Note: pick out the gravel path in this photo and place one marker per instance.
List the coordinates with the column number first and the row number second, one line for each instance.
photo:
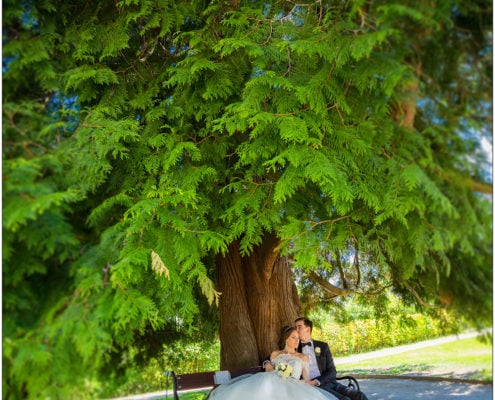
column 412, row 389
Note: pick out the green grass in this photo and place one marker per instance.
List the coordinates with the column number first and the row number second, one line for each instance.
column 201, row 395
column 465, row 359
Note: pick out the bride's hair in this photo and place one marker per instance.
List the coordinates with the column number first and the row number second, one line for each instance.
column 286, row 332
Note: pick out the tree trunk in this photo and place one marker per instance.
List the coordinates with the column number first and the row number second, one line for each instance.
column 258, row 298
column 237, row 339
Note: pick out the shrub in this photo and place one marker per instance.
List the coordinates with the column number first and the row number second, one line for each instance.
column 399, row 327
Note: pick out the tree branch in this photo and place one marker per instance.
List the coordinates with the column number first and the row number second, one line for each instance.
column 417, row 296
column 477, row 186
column 341, row 270
column 328, row 287
column 356, row 265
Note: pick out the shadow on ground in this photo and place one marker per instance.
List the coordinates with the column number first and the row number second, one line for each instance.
column 412, row 389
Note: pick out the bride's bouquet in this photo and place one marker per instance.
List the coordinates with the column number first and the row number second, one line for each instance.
column 284, row 370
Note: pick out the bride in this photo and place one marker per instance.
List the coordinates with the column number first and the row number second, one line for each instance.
column 283, row 383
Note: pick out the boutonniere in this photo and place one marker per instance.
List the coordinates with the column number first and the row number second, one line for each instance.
column 317, row 351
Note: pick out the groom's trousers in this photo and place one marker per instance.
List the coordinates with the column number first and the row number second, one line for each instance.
column 343, row 392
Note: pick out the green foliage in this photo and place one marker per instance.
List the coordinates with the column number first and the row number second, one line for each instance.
column 198, row 124
column 361, row 336
column 182, row 357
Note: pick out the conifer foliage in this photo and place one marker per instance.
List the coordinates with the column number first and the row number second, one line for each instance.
column 142, row 138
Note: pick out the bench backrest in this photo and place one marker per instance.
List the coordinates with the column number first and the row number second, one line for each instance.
column 195, row 381
column 200, row 380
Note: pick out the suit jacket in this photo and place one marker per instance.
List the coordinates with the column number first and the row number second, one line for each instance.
column 325, row 362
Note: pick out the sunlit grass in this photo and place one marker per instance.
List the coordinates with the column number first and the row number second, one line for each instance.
column 467, row 359
column 194, row 395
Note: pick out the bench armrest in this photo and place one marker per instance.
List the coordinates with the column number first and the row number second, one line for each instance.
column 351, row 381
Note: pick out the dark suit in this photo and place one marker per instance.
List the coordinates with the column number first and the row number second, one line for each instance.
column 328, row 373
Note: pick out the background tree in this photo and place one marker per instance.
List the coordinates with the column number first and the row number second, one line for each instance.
column 159, row 153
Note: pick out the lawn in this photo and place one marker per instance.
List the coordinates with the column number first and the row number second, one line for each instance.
column 466, row 359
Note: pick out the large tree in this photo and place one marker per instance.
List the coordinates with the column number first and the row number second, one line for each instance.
column 156, row 149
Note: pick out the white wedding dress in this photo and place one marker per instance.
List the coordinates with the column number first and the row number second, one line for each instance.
column 271, row 385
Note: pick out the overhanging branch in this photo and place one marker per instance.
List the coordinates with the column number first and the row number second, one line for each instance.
column 328, row 287
column 417, row 296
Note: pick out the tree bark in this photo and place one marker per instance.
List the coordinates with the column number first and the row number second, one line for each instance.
column 258, row 298
column 237, row 340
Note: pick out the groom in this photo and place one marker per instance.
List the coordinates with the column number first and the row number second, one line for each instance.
column 322, row 369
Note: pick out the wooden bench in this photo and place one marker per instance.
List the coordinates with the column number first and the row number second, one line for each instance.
column 211, row 379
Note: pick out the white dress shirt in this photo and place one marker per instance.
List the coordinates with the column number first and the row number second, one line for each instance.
column 313, row 364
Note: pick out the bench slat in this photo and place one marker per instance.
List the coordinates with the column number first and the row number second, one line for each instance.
column 207, row 379
column 194, row 381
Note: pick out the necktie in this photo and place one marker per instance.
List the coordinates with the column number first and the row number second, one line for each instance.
column 305, row 344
